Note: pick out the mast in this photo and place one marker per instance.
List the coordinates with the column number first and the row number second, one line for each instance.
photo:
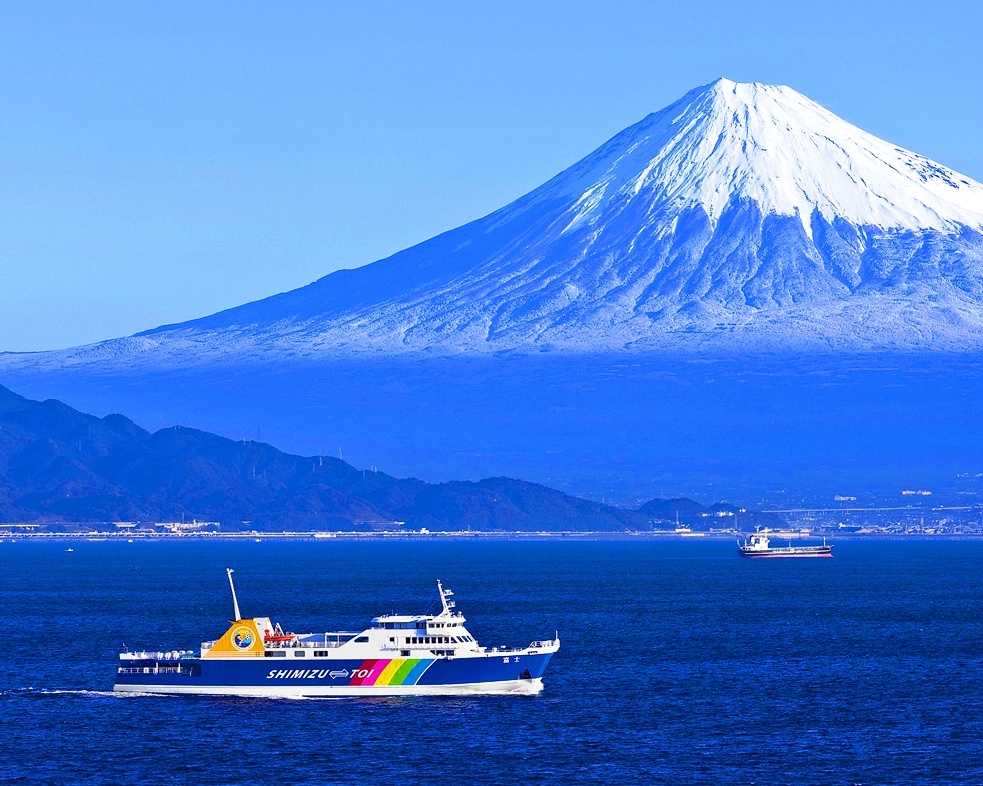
column 235, row 603
column 445, row 595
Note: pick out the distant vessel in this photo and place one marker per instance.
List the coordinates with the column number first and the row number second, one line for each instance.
column 398, row 655
column 758, row 545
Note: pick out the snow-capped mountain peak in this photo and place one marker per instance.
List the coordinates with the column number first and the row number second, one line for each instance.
column 772, row 145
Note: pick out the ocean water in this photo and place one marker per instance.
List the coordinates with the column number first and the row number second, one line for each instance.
column 680, row 663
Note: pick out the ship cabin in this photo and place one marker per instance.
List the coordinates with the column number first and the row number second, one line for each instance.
column 757, row 541
column 423, row 634
column 391, row 635
column 415, row 635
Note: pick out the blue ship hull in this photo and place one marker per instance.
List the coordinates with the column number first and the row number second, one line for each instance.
column 492, row 672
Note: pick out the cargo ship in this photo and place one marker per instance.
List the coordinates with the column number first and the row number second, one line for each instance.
column 759, row 545
column 398, row 655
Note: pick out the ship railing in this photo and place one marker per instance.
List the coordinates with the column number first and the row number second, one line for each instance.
column 330, row 640
column 156, row 655
column 316, row 641
column 152, row 670
column 535, row 645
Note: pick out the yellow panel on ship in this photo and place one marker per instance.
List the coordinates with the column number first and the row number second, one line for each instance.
column 242, row 640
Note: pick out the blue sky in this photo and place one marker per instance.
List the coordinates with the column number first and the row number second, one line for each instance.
column 164, row 161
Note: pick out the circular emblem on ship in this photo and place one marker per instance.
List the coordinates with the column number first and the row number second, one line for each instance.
column 242, row 638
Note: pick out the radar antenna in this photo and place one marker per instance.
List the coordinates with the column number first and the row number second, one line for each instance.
column 235, row 603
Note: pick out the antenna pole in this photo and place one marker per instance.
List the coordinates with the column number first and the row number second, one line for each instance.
column 235, row 603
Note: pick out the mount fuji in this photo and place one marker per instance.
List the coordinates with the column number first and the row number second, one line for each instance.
column 741, row 216
column 736, row 281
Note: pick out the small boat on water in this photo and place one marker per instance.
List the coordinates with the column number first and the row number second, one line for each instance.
column 759, row 545
column 398, row 655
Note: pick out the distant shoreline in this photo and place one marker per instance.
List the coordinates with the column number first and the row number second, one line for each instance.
column 100, row 537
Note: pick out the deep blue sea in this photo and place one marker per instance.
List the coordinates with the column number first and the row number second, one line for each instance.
column 680, row 663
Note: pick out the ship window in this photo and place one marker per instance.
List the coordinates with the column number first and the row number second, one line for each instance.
column 320, row 653
column 299, row 654
column 275, row 654
column 361, row 639
column 404, row 653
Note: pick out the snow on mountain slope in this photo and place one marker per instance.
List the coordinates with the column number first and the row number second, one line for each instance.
column 741, row 216
column 773, row 146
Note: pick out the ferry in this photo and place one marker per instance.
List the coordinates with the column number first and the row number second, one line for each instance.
column 759, row 545
column 398, row 655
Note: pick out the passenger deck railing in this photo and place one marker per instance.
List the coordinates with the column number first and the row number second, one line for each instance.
column 168, row 669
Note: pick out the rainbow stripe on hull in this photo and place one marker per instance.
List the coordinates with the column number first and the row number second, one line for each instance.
column 386, row 673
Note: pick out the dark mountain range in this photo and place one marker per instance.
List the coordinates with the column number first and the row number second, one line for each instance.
column 58, row 464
